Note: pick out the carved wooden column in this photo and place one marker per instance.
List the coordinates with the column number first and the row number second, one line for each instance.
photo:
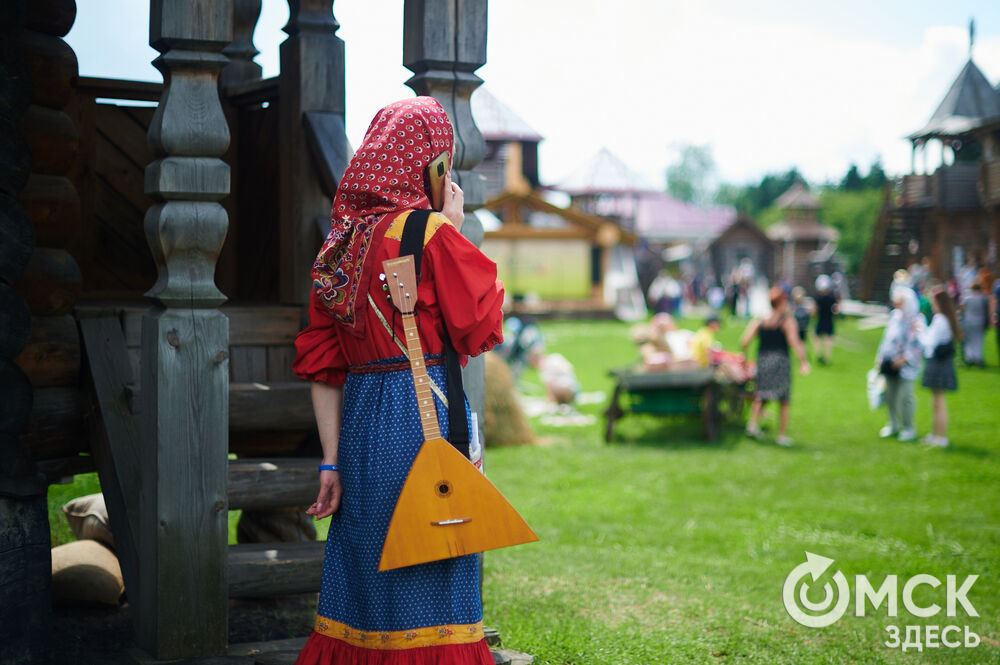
column 311, row 94
column 241, row 51
column 444, row 43
column 183, row 596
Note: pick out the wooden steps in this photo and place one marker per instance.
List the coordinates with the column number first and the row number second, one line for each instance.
column 271, row 406
column 261, row 417
column 273, row 569
column 255, row 570
column 259, row 570
column 258, row 484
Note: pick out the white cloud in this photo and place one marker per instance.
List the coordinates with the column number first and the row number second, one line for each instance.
column 766, row 95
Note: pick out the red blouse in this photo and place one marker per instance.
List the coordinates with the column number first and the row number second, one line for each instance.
column 458, row 288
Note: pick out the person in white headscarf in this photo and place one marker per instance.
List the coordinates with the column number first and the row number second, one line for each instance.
column 899, row 359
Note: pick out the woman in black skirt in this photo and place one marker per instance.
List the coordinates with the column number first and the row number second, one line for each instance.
column 777, row 334
column 938, row 340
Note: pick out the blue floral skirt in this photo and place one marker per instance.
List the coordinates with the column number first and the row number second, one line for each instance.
column 427, row 613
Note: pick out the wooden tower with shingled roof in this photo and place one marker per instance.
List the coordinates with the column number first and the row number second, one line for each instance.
column 799, row 236
column 948, row 214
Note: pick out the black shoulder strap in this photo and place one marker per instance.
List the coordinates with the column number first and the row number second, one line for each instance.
column 412, row 243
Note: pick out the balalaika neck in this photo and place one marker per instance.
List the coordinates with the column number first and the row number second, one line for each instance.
column 421, row 382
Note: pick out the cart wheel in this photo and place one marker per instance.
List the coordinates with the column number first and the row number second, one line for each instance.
column 740, row 400
column 710, row 415
column 612, row 413
column 733, row 399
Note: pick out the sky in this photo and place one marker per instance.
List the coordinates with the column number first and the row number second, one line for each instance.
column 767, row 84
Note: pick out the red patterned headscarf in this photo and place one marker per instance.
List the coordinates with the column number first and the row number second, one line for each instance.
column 385, row 175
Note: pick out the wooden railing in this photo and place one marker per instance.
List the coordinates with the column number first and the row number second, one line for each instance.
column 915, row 190
column 954, row 187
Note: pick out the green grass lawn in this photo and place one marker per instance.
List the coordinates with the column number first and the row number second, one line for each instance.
column 660, row 548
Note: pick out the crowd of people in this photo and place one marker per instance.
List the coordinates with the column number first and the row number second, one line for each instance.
column 780, row 322
column 929, row 323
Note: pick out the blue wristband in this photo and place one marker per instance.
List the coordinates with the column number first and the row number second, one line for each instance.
column 329, row 467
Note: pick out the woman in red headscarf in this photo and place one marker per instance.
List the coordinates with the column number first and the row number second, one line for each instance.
column 363, row 397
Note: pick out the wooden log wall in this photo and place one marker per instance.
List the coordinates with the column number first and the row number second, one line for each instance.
column 52, row 282
column 36, row 200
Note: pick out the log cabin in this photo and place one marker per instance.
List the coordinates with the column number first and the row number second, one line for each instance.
column 800, row 236
column 744, row 239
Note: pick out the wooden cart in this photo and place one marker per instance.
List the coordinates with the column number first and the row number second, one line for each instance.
column 699, row 392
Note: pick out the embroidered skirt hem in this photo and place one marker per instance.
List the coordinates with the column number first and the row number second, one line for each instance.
column 324, row 650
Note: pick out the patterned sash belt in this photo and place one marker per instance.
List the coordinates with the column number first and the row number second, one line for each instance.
column 378, row 367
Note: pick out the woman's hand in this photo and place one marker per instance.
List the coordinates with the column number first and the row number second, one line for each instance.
column 804, row 367
column 898, row 362
column 328, row 499
column 454, row 202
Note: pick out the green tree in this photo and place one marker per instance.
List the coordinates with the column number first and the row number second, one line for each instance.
column 852, row 181
column 853, row 214
column 773, row 186
column 753, row 199
column 692, row 176
column 876, row 177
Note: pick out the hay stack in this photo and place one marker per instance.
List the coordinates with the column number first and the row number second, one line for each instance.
column 504, row 422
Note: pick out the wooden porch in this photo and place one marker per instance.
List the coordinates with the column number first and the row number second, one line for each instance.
column 155, row 271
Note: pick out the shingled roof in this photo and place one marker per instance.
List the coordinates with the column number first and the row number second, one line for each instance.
column 497, row 122
column 605, row 173
column 802, row 222
column 970, row 101
column 798, row 197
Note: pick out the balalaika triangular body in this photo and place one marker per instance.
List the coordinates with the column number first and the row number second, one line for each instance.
column 447, row 508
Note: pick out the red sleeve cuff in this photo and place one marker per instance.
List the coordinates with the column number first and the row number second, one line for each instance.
column 330, row 376
column 318, row 354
